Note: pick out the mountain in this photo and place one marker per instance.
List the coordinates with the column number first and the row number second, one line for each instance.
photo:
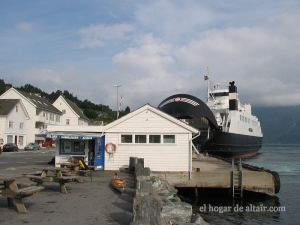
column 95, row 112
column 280, row 125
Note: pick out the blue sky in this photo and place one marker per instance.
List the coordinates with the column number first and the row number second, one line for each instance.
column 153, row 48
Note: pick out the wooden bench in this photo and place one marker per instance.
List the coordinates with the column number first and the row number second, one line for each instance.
column 47, row 175
column 15, row 195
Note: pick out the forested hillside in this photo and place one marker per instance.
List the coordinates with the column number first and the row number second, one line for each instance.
column 95, row 112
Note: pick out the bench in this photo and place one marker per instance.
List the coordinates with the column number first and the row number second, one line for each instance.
column 15, row 195
column 58, row 176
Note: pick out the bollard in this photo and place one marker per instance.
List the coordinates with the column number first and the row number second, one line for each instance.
column 132, row 163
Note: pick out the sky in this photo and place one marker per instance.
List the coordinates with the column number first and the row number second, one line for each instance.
column 154, row 49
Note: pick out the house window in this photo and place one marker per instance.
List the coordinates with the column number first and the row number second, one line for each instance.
column 10, row 138
column 140, row 138
column 126, row 138
column 10, row 124
column 169, row 139
column 51, row 116
column 17, row 108
column 67, row 121
column 21, row 140
column 57, row 118
column 21, row 125
column 46, row 115
column 64, row 111
column 154, row 138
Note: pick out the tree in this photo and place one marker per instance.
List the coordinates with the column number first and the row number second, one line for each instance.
column 2, row 86
column 127, row 110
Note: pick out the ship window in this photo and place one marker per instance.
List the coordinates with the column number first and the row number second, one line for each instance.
column 221, row 94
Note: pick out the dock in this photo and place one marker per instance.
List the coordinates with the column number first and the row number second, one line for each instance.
column 215, row 173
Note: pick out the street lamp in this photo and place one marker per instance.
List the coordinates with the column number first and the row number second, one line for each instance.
column 117, row 86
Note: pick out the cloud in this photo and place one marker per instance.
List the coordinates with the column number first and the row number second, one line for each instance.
column 148, row 71
column 262, row 59
column 97, row 36
column 24, row 26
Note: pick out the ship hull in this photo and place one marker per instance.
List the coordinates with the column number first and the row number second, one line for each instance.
column 231, row 145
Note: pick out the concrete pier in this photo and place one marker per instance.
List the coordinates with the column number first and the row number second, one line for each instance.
column 210, row 172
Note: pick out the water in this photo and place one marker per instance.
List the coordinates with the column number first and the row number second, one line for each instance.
column 285, row 159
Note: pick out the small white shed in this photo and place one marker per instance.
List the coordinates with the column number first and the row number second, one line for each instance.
column 162, row 140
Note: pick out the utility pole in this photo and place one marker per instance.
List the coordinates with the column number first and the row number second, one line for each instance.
column 117, row 86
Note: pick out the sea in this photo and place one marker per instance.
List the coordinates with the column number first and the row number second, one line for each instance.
column 217, row 207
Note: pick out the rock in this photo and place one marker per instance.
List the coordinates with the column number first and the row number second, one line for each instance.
column 163, row 188
column 199, row 220
column 179, row 212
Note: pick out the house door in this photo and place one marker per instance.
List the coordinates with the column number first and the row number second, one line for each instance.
column 16, row 140
column 99, row 152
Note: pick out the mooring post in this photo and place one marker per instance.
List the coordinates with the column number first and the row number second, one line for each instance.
column 196, row 194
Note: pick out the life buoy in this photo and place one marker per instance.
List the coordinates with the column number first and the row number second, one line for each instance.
column 110, row 148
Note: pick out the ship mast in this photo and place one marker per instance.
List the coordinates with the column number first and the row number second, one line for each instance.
column 206, row 77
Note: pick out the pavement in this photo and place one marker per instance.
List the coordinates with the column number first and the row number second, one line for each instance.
column 88, row 203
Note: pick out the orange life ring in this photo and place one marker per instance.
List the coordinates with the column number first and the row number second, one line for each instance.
column 110, row 148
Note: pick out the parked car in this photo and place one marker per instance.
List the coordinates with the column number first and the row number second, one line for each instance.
column 10, row 147
column 32, row 146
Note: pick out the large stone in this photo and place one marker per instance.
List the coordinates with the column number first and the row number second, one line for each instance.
column 199, row 220
column 163, row 188
column 179, row 212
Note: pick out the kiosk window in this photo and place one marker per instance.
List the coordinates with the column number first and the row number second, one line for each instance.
column 72, row 148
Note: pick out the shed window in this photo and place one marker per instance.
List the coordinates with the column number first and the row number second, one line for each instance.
column 169, row 138
column 126, row 138
column 140, row 139
column 154, row 138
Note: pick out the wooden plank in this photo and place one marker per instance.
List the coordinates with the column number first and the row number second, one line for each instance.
column 20, row 205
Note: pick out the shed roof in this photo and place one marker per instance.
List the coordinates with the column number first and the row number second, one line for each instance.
column 154, row 110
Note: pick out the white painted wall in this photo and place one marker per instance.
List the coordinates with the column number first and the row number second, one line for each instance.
column 16, row 118
column 159, row 157
column 30, row 108
column 70, row 114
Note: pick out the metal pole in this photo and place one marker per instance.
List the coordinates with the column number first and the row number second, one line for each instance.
column 117, row 86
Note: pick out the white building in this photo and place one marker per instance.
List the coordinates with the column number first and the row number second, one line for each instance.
column 164, row 142
column 71, row 113
column 40, row 111
column 13, row 122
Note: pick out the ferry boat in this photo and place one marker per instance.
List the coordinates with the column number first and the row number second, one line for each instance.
column 227, row 127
